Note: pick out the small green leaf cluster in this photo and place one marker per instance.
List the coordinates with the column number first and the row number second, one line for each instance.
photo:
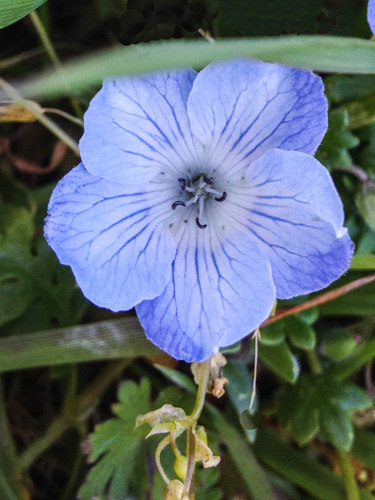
column 36, row 292
column 318, row 403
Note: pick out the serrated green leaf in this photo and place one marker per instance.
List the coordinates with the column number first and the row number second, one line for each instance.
column 116, row 447
column 300, row 333
column 333, row 150
column 280, row 360
column 13, row 10
column 322, row 402
column 34, row 287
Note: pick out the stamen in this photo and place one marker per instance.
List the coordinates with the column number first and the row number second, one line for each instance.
column 190, row 189
column 213, row 191
column 178, row 204
column 182, row 182
column 208, row 180
column 201, row 226
column 201, row 205
column 223, row 197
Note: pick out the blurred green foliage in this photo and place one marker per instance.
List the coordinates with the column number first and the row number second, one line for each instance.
column 315, row 392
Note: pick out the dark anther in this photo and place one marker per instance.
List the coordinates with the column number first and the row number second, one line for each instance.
column 178, row 204
column 208, row 180
column 182, row 182
column 201, row 226
column 222, row 198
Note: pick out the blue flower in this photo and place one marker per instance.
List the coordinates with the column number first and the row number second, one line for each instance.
column 371, row 15
column 198, row 201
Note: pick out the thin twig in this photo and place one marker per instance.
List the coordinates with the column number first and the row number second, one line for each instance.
column 44, row 120
column 320, row 299
column 50, row 50
column 354, row 170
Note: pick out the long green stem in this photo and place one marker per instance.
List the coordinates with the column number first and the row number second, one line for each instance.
column 44, row 38
column 48, row 47
column 314, row 362
column 54, row 431
column 72, row 413
column 348, row 476
column 36, row 111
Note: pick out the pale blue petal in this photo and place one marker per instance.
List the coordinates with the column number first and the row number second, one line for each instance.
column 220, row 290
column 371, row 15
column 242, row 108
column 136, row 127
column 291, row 209
column 113, row 236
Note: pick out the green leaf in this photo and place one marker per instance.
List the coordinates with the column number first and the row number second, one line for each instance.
column 365, row 201
column 339, row 343
column 13, row 10
column 116, row 447
column 331, row 54
column 242, row 455
column 273, row 334
column 319, row 402
column 333, row 151
column 295, row 465
column 112, row 339
column 344, row 88
column 362, row 262
column 280, row 360
column 300, row 333
column 336, row 426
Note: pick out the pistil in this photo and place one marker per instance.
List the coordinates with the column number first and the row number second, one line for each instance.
column 199, row 191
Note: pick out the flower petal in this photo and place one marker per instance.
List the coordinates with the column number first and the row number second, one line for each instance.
column 371, row 15
column 243, row 108
column 113, row 236
column 138, row 126
column 220, row 290
column 292, row 210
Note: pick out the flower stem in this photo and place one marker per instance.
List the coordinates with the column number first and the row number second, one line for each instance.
column 37, row 112
column 314, row 362
column 197, row 410
column 320, row 299
column 48, row 47
column 347, row 475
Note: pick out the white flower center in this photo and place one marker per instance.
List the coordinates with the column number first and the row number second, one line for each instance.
column 198, row 191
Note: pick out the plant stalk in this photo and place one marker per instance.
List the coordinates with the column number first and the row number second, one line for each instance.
column 351, row 488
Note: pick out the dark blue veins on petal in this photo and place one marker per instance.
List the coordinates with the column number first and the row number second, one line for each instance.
column 241, row 109
column 136, row 127
column 220, row 290
column 117, row 245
